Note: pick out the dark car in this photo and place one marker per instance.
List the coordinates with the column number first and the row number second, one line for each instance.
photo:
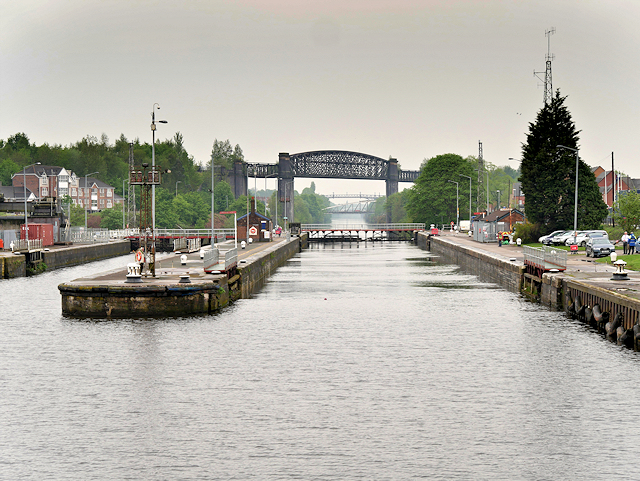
column 599, row 247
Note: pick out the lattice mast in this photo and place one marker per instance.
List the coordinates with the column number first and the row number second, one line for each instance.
column 131, row 197
column 548, row 84
column 480, row 177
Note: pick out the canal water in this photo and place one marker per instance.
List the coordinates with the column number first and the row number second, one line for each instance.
column 354, row 362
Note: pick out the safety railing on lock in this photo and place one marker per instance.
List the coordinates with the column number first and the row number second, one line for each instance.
column 27, row 245
column 545, row 258
column 404, row 227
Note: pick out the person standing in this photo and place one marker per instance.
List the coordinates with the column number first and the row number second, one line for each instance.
column 625, row 242
column 632, row 243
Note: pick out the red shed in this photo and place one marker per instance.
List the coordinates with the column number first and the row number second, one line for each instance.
column 39, row 231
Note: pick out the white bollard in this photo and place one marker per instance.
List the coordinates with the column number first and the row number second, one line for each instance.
column 183, row 259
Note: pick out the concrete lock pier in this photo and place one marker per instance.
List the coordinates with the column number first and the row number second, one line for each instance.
column 584, row 290
column 181, row 286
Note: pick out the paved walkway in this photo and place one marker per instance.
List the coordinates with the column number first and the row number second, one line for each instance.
column 579, row 266
column 169, row 266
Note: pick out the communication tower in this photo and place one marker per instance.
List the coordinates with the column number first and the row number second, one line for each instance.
column 548, row 85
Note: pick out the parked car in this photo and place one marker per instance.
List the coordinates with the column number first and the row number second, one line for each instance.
column 546, row 239
column 580, row 239
column 560, row 239
column 599, row 247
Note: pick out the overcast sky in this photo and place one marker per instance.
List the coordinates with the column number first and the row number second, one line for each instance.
column 408, row 79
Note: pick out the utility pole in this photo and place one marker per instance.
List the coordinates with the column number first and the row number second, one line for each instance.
column 548, row 84
column 131, row 201
column 480, row 177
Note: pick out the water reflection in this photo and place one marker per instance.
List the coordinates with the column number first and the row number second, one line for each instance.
column 351, row 363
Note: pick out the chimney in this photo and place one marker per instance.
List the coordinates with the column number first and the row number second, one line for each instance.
column 253, row 205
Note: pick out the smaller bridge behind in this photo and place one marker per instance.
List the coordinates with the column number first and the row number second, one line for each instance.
column 360, row 232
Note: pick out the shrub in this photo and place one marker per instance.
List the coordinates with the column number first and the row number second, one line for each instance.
column 528, row 232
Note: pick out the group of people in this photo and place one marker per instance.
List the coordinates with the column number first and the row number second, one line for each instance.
column 628, row 243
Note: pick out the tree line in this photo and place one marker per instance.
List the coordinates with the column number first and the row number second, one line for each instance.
column 184, row 198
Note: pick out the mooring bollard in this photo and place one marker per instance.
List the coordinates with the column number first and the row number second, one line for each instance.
column 183, row 259
column 133, row 273
column 619, row 274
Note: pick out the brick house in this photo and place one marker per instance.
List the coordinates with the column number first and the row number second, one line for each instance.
column 510, row 217
column 606, row 180
column 47, row 181
column 259, row 225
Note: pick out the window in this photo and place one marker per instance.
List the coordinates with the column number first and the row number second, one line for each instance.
column 73, row 192
column 109, row 192
column 102, row 192
column 109, row 204
column 45, row 191
column 101, row 204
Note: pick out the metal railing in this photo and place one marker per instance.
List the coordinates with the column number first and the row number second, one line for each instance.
column 386, row 227
column 179, row 244
column 27, row 245
column 212, row 261
column 89, row 236
column 545, row 258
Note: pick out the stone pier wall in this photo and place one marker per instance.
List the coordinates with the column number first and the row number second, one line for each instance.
column 257, row 268
column 493, row 269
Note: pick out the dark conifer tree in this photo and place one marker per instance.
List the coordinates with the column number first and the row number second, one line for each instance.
column 548, row 173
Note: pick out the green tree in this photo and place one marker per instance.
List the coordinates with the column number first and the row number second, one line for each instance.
column 548, row 173
column 432, row 199
column 111, row 218
column 626, row 211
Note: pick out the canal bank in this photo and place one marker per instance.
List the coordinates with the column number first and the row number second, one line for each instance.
column 179, row 288
column 56, row 257
column 584, row 284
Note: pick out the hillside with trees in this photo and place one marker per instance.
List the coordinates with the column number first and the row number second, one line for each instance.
column 183, row 200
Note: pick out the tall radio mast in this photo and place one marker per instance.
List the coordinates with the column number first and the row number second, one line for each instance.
column 548, row 84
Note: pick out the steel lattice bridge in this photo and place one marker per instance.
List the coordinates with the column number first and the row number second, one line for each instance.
column 322, row 164
column 363, row 207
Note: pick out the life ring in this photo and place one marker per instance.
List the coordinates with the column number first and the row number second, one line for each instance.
column 139, row 256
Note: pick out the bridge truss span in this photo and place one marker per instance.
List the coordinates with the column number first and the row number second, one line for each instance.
column 339, row 164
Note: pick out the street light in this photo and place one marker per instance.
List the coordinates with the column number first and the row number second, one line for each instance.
column 575, row 211
column 498, row 192
column 457, row 200
column 153, row 165
column 462, row 175
column 24, row 187
column 286, row 212
column 177, row 182
column 265, row 191
column 123, row 199
column 85, row 203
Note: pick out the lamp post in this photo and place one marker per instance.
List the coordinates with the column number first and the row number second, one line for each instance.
column 514, row 190
column 177, row 182
column 153, row 164
column 265, row 191
column 286, row 217
column 123, row 181
column 462, row 175
column 85, row 204
column 498, row 192
column 24, row 188
column 575, row 210
column 457, row 201
column 235, row 226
